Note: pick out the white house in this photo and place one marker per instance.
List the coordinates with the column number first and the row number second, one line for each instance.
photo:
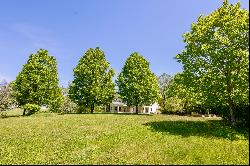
column 119, row 106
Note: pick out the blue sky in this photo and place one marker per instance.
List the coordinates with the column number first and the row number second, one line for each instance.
column 67, row 28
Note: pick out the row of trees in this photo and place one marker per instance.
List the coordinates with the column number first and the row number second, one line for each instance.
column 37, row 83
column 216, row 66
column 92, row 85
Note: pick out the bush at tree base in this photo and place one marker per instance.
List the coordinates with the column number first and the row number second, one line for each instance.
column 30, row 109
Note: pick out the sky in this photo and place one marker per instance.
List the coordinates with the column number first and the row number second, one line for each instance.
column 68, row 28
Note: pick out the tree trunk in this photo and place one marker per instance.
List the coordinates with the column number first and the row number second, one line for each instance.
column 232, row 116
column 137, row 110
column 185, row 106
column 92, row 108
column 164, row 104
column 230, row 101
column 24, row 112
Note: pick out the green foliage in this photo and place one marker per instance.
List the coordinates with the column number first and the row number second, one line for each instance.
column 92, row 85
column 114, row 139
column 173, row 105
column 31, row 109
column 137, row 84
column 179, row 94
column 99, row 109
column 242, row 116
column 37, row 83
column 215, row 59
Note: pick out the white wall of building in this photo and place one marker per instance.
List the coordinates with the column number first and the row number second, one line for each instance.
column 119, row 107
column 153, row 108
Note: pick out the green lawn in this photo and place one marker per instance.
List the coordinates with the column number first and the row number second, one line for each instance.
column 48, row 138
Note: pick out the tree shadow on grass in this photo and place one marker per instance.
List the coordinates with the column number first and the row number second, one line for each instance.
column 209, row 128
column 127, row 113
column 10, row 116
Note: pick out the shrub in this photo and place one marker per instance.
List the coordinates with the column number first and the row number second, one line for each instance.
column 173, row 105
column 30, row 109
column 99, row 109
column 242, row 115
column 83, row 109
column 3, row 114
column 69, row 106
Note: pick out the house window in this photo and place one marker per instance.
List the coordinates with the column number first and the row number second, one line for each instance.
column 115, row 108
column 151, row 109
column 120, row 108
column 146, row 110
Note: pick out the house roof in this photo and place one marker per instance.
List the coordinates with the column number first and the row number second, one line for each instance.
column 118, row 103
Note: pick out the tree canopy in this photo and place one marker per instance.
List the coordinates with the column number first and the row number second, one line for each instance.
column 137, row 84
column 92, row 85
column 215, row 59
column 37, row 83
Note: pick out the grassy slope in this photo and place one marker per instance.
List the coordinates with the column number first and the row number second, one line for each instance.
column 119, row 139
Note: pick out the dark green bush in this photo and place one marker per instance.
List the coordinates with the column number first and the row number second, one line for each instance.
column 99, row 109
column 30, row 109
column 242, row 115
column 82, row 110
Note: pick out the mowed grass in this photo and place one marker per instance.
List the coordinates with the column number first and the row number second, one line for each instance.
column 48, row 138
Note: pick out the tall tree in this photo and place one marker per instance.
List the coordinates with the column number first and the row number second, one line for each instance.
column 216, row 56
column 163, row 81
column 92, row 85
column 37, row 83
column 137, row 84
